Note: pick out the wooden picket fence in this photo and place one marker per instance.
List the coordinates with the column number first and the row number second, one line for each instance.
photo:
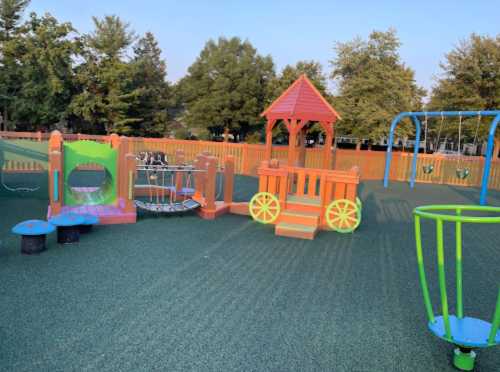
column 248, row 157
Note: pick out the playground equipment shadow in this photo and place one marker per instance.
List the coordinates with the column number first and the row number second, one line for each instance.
column 180, row 294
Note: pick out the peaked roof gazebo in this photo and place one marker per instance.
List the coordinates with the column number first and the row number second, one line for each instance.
column 297, row 106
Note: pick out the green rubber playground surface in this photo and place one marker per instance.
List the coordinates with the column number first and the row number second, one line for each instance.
column 185, row 294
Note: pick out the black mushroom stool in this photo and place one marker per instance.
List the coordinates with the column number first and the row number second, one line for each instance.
column 33, row 235
column 89, row 221
column 68, row 227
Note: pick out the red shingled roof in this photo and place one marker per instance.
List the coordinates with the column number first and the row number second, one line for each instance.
column 301, row 101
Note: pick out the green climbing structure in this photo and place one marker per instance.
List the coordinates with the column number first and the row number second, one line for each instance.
column 89, row 152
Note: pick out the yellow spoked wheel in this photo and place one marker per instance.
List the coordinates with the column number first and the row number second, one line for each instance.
column 343, row 215
column 264, row 207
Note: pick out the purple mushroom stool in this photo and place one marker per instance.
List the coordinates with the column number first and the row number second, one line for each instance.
column 33, row 234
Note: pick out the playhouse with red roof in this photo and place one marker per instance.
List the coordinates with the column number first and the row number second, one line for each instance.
column 298, row 107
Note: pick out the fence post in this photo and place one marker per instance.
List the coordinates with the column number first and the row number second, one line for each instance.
column 245, row 166
column 228, row 179
column 496, row 149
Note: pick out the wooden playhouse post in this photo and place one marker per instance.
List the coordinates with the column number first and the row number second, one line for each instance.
column 180, row 159
column 327, row 147
column 292, row 143
column 210, row 186
column 269, row 139
column 198, row 178
column 301, row 158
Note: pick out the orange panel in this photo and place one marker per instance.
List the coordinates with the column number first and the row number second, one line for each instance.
column 328, row 193
column 272, row 187
column 262, row 183
column 301, row 183
column 311, row 185
column 351, row 192
column 339, row 191
column 283, row 188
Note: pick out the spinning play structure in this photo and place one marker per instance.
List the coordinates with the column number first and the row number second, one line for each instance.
column 114, row 201
column 466, row 333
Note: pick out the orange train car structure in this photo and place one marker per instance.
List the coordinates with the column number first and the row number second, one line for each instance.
column 300, row 201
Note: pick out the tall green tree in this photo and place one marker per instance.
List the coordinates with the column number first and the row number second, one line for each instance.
column 150, row 72
column 44, row 56
column 470, row 81
column 373, row 85
column 105, row 81
column 11, row 12
column 226, row 87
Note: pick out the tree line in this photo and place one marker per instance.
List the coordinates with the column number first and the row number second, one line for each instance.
column 113, row 80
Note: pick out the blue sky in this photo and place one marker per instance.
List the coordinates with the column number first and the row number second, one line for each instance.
column 291, row 30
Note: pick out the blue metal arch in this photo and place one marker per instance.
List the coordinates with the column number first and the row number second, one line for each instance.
column 414, row 116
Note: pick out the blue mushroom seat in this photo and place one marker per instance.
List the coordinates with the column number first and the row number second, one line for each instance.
column 33, row 227
column 89, row 221
column 67, row 219
column 33, row 235
column 68, row 227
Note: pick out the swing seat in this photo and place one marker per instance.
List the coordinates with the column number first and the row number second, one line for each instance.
column 463, row 173
column 428, row 168
column 467, row 332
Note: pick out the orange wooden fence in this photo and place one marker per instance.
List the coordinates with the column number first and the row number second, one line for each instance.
column 16, row 166
column 248, row 157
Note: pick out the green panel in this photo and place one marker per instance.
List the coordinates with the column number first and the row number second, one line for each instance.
column 82, row 152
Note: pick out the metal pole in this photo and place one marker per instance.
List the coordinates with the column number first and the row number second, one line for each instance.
column 415, row 152
column 487, row 163
column 388, row 157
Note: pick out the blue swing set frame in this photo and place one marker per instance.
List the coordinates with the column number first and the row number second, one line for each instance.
column 415, row 118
